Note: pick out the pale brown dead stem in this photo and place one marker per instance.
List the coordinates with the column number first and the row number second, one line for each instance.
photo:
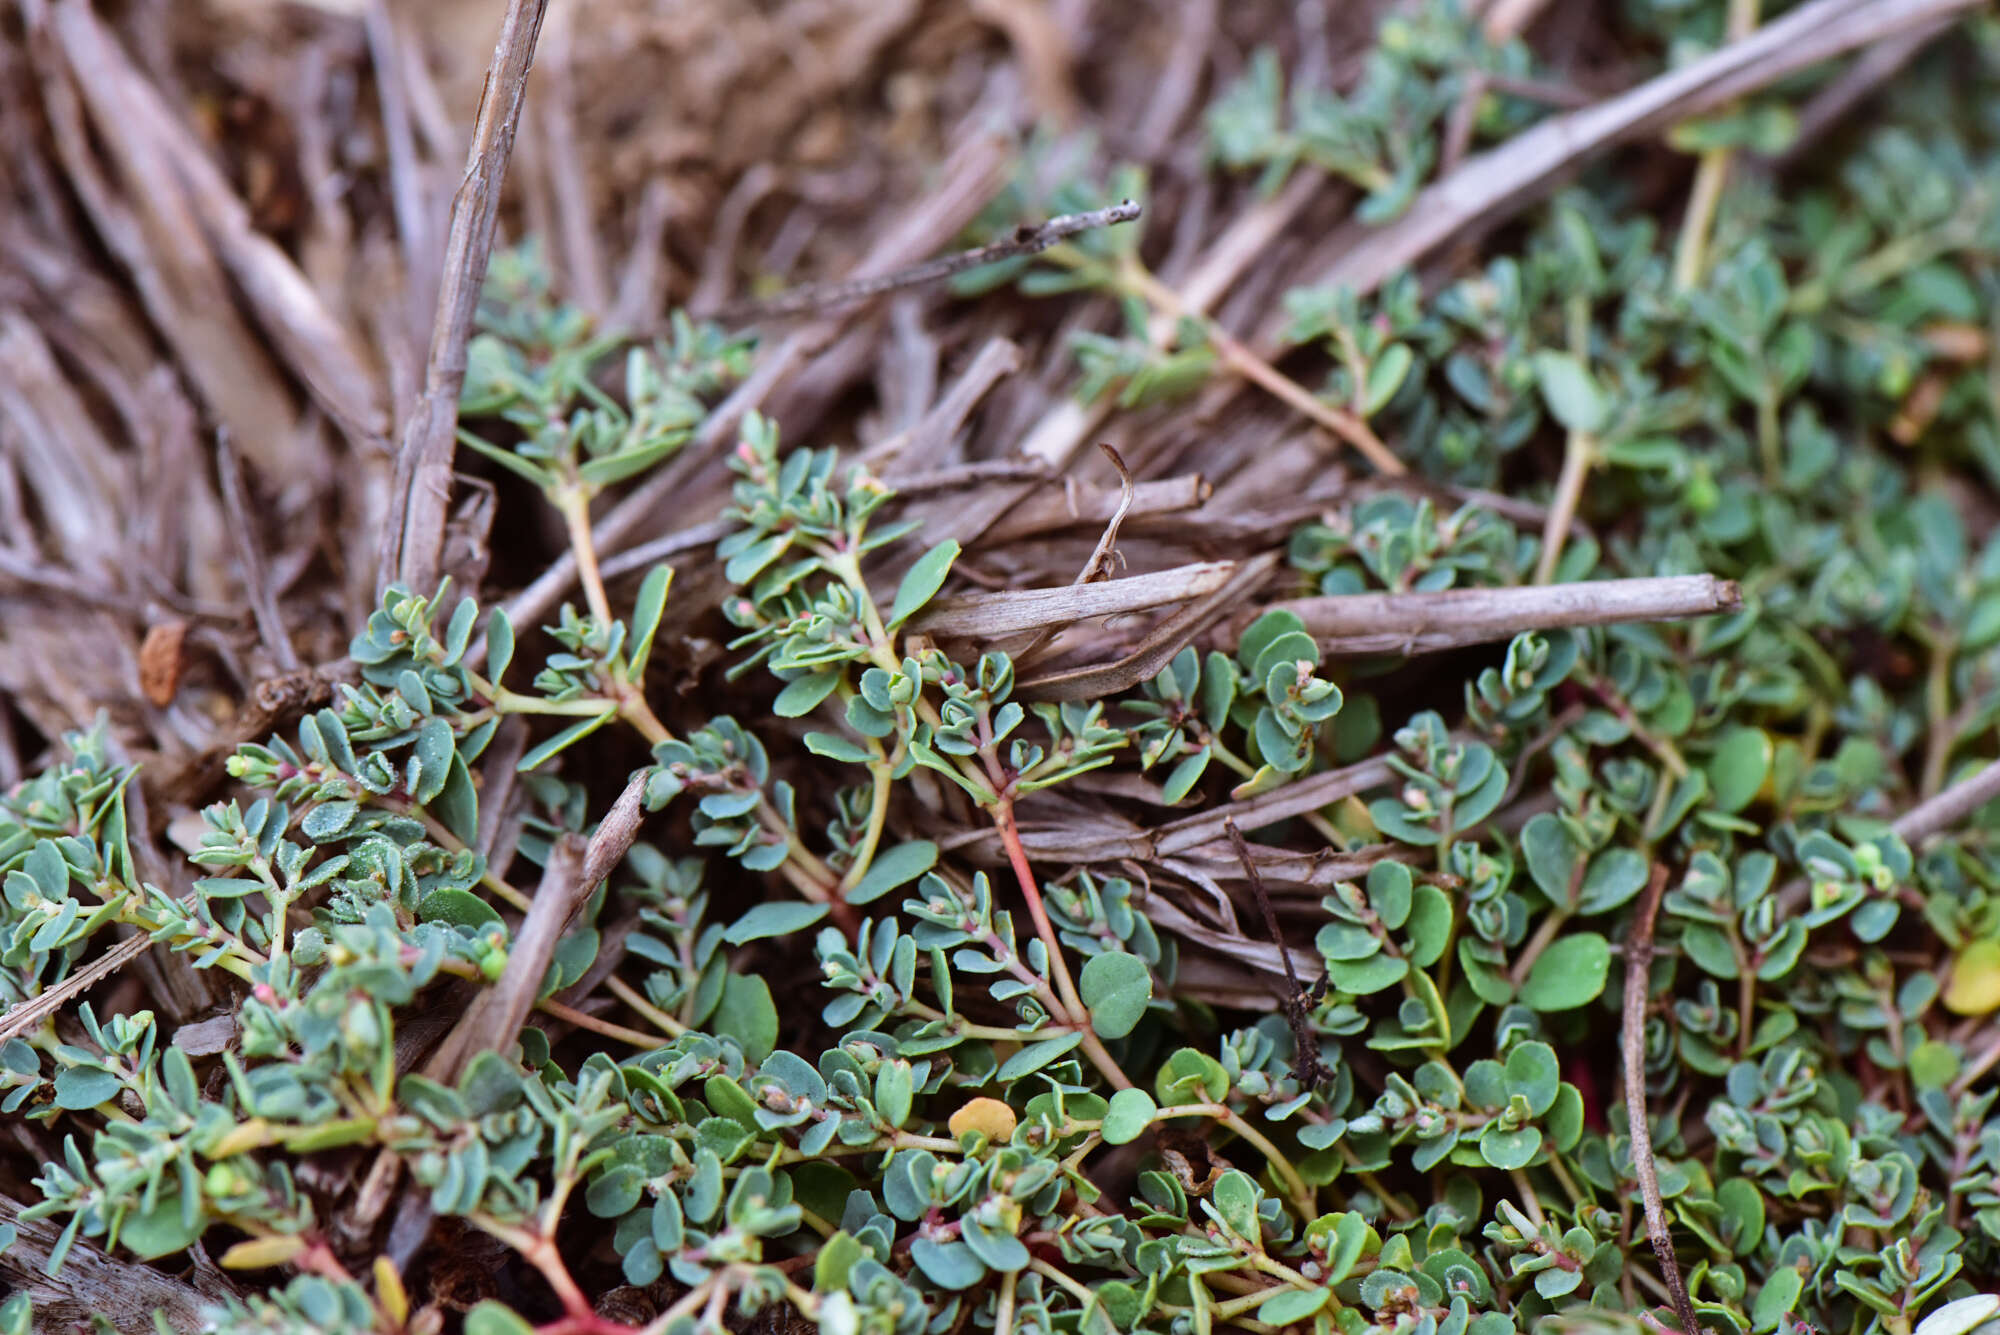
column 414, row 536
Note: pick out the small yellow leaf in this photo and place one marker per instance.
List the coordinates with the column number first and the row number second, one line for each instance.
column 254, row 1134
column 1974, row 988
column 257, row 1253
column 390, row 1293
column 992, row 1118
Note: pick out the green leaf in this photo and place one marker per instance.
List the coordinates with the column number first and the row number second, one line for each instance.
column 1035, row 1056
column 1742, row 1214
column 1235, row 1200
column 804, row 694
column 1571, row 392
column 1130, row 1113
column 1287, row 649
column 1262, row 632
column 615, row 468
column 837, row 1257
column 922, row 581
column 1779, row 1295
column 998, row 1250
column 746, row 1014
column 433, row 752
column 574, row 955
column 1363, row 977
column 493, row 1318
column 1570, row 973
column 835, row 747
column 1551, row 855
column 1737, row 770
column 646, row 612
column 1509, row 1150
column 1190, row 1076
column 1534, row 1073
column 81, row 1087
column 1933, row 1064
column 1385, row 377
column 894, row 1090
column 949, row 1265
column 457, row 807
column 569, row 736
column 499, row 645
column 457, row 908
column 897, row 866
column 162, row 1230
column 508, row 459
column 780, row 918
column 1117, row 988
column 1184, row 776
column 1350, row 1238
column 1615, row 876
column 728, row 1098
column 1290, row 1305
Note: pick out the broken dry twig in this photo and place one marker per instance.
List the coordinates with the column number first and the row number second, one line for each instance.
column 1378, row 623
column 413, row 539
column 811, row 298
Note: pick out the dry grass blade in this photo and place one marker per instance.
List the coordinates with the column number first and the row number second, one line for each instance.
column 925, row 443
column 144, row 218
column 1011, row 611
column 256, row 571
column 1028, row 239
column 1638, row 967
column 414, row 537
column 1082, row 503
column 1154, row 652
column 1096, row 568
column 1269, row 957
column 1202, row 830
column 1412, row 623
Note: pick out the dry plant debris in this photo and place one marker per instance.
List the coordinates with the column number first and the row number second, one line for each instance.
column 913, row 667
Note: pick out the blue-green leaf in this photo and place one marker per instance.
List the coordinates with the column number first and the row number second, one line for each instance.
column 780, row 918
column 922, row 581
column 1117, row 988
column 897, row 866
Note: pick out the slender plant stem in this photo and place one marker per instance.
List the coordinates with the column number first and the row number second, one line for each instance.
column 1295, row 1186
column 574, row 503
column 1638, row 967
column 1710, row 178
column 1579, row 453
column 1003, row 1317
column 1072, row 1001
column 628, row 994
column 1239, row 358
column 1544, row 936
column 584, row 1020
column 1017, row 856
column 878, row 817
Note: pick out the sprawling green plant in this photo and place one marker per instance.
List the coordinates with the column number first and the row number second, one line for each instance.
column 1000, row 1100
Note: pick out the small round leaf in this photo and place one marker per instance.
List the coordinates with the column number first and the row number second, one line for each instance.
column 1570, row 973
column 1130, row 1113
column 1116, row 987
